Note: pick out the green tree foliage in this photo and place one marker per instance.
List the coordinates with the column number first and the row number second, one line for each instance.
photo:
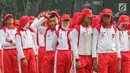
column 32, row 7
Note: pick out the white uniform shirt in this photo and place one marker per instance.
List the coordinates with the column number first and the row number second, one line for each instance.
column 39, row 35
column 105, row 42
column 85, row 41
column 9, row 34
column 62, row 40
column 124, row 41
column 50, row 36
column 24, row 41
column 40, row 39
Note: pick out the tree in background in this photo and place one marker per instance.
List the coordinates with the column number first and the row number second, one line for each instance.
column 32, row 7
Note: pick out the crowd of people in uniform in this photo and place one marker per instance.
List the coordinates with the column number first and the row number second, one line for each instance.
column 51, row 43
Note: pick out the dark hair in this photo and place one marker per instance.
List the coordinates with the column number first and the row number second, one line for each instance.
column 52, row 16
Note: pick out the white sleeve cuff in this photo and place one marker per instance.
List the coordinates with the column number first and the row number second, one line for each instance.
column 19, row 47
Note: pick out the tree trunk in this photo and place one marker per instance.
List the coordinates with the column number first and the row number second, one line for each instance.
column 26, row 7
column 72, row 7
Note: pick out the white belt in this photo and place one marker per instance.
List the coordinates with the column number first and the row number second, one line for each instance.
column 12, row 47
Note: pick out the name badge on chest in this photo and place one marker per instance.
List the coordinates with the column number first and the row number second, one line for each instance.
column 102, row 34
column 113, row 35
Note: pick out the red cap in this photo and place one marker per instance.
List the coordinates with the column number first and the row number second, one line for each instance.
column 76, row 15
column 100, row 14
column 31, row 18
column 87, row 12
column 65, row 17
column 107, row 11
column 43, row 13
column 7, row 16
column 129, row 18
column 124, row 19
column 74, row 19
column 84, row 10
column 23, row 21
column 54, row 13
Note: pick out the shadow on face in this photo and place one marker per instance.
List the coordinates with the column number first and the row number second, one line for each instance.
column 106, row 18
column 87, row 20
column 52, row 21
column 10, row 20
column 66, row 22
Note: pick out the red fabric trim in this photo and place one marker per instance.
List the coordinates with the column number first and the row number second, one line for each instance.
column 57, row 33
column 115, row 28
column 30, row 29
column 4, row 29
column 11, row 41
column 99, row 26
column 77, row 27
column 69, row 46
column 77, row 60
column 119, row 59
column 18, row 33
column 62, row 29
column 94, row 58
column 23, row 58
column 45, row 36
column 37, row 38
